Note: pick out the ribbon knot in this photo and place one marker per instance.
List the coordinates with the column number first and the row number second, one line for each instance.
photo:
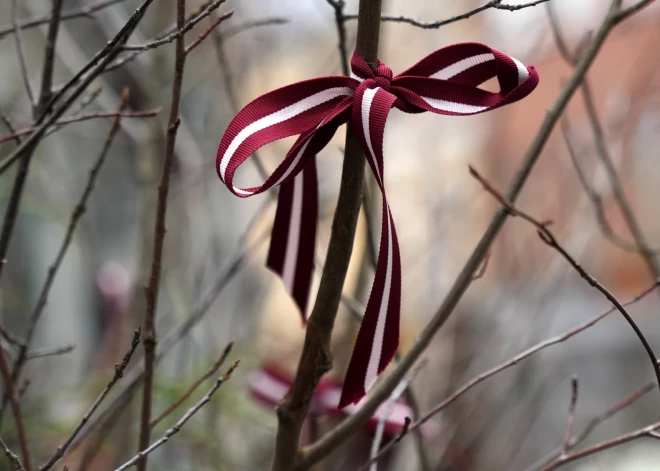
column 445, row 82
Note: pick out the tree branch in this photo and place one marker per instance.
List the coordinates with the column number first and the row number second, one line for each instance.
column 316, row 358
column 601, row 148
column 15, row 462
column 82, row 12
column 193, row 387
column 513, row 362
column 493, row 4
column 16, row 409
column 177, row 427
column 325, row 445
column 149, row 339
column 76, row 215
column 649, row 431
column 594, row 422
column 20, row 52
column 77, row 118
column 549, row 239
column 119, row 373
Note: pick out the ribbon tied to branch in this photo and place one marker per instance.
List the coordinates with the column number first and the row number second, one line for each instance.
column 445, row 82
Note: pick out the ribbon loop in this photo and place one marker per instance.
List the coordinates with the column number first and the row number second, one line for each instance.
column 444, row 82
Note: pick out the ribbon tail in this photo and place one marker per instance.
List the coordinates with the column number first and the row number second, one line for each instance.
column 291, row 253
column 378, row 338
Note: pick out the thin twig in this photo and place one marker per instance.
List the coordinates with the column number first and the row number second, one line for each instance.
column 181, row 29
column 202, row 307
column 76, row 215
column 549, row 239
column 571, row 415
column 10, row 126
column 313, row 453
column 16, row 409
column 238, row 28
column 79, row 83
column 208, row 31
column 648, row 431
column 49, row 56
column 119, row 373
column 602, row 151
column 9, row 337
column 151, row 292
column 493, row 4
column 593, row 423
column 515, row 360
column 81, row 12
column 632, row 9
column 592, row 195
column 15, row 462
column 388, row 407
column 182, row 421
column 84, row 117
column 193, row 387
column 340, row 21
column 49, row 352
column 20, row 52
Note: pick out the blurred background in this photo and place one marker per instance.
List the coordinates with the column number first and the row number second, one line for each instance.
column 215, row 287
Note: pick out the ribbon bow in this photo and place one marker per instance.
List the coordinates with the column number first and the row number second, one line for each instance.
column 444, row 82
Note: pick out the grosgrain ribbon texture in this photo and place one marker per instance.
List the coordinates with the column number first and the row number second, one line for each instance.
column 444, row 82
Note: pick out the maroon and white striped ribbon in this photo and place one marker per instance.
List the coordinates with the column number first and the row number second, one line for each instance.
column 269, row 384
column 444, row 82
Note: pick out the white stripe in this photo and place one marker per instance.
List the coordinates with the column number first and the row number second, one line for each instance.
column 279, row 116
column 461, row 66
column 452, row 106
column 367, row 98
column 293, row 238
column 353, row 76
column 377, row 346
column 523, row 73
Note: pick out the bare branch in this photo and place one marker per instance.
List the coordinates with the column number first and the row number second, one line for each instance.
column 594, row 422
column 49, row 55
column 151, row 291
column 571, row 415
column 76, row 215
column 16, row 409
column 493, row 4
column 49, row 352
column 208, row 31
column 517, row 359
column 79, row 82
column 631, row 10
column 177, row 427
column 592, row 195
column 82, row 12
column 193, row 387
column 247, row 25
column 180, row 31
column 20, row 52
column 15, row 462
column 649, row 431
column 77, row 118
column 548, row 238
column 9, row 337
column 603, row 153
column 340, row 21
column 119, row 373
column 204, row 303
